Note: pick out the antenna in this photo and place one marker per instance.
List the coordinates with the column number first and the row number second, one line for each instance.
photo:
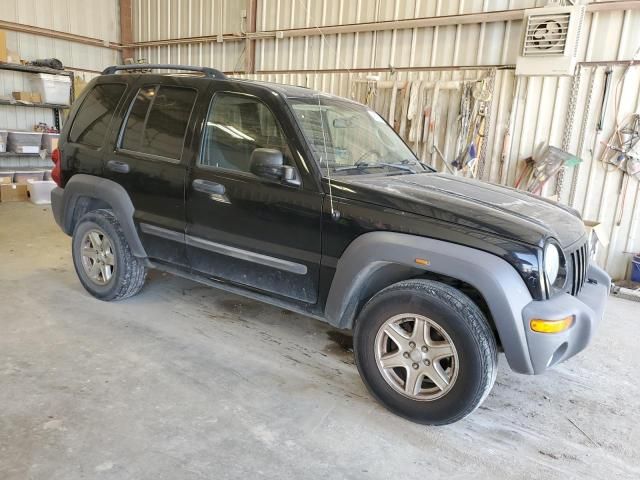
column 334, row 213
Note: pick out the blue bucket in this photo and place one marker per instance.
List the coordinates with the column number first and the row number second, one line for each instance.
column 635, row 268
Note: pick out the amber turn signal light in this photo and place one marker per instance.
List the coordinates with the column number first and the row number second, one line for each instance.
column 552, row 326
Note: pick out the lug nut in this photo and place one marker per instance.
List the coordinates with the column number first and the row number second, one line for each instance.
column 427, row 363
column 424, row 348
column 412, row 345
column 415, row 366
column 405, row 355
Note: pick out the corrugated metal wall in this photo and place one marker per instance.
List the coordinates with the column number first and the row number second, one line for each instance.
column 92, row 18
column 162, row 19
column 533, row 109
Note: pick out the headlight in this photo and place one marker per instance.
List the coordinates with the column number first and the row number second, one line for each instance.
column 555, row 268
column 551, row 262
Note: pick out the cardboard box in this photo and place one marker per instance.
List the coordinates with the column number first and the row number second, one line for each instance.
column 5, row 180
column 33, row 97
column 78, row 85
column 13, row 57
column 13, row 192
column 22, row 96
column 3, row 47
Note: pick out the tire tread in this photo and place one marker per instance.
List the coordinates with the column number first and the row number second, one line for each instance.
column 482, row 334
column 133, row 270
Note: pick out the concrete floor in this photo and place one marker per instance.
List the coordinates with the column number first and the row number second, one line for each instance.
column 186, row 382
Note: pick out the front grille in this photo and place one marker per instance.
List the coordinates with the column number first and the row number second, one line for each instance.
column 579, row 266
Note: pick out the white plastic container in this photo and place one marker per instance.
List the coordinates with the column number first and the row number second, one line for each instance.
column 50, row 141
column 26, row 176
column 52, row 88
column 24, row 142
column 3, row 140
column 39, row 192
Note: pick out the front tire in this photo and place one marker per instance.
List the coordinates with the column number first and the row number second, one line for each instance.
column 425, row 351
column 102, row 258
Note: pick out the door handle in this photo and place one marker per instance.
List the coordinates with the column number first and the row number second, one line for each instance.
column 206, row 186
column 117, row 166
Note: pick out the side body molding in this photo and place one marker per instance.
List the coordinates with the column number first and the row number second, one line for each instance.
column 378, row 254
column 107, row 191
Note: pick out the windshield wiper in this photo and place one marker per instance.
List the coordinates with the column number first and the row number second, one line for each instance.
column 365, row 165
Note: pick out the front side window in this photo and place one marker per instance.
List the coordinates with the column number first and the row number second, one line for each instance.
column 92, row 120
column 236, row 126
column 158, row 120
column 349, row 138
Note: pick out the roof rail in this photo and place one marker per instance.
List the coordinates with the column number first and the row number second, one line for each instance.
column 209, row 72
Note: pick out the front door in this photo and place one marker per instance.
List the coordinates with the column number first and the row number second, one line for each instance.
column 243, row 229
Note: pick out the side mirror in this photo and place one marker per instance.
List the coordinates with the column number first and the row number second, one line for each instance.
column 269, row 163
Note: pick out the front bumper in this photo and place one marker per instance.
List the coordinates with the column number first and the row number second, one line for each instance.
column 548, row 349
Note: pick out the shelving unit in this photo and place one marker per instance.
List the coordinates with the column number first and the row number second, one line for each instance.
column 10, row 160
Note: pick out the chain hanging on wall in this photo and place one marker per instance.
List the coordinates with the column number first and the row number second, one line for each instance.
column 487, row 124
column 581, row 138
column 568, row 125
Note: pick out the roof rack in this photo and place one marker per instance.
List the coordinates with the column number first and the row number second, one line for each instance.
column 209, row 72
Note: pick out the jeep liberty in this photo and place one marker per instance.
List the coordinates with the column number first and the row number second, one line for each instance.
column 314, row 204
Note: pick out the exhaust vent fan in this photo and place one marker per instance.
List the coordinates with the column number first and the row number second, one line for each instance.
column 550, row 41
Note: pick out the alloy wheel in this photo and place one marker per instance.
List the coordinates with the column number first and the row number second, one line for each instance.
column 416, row 357
column 98, row 259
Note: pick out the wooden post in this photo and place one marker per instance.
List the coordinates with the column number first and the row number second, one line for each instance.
column 126, row 29
column 250, row 51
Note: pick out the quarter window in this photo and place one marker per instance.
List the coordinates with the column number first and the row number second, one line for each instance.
column 92, row 120
column 158, row 120
column 236, row 126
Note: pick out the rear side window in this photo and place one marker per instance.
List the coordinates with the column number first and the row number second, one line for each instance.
column 157, row 121
column 93, row 118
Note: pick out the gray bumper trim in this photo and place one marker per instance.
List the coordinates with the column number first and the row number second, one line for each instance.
column 546, row 350
column 57, row 206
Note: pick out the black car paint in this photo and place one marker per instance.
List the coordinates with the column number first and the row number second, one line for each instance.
column 297, row 223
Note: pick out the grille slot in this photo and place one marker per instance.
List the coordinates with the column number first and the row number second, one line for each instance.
column 579, row 267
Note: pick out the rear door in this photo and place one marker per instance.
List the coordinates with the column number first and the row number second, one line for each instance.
column 150, row 161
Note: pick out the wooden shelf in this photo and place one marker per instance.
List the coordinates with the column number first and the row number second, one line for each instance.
column 18, row 67
column 17, row 103
column 12, row 154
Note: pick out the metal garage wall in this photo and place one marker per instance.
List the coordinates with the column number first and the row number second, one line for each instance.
column 90, row 18
column 533, row 109
column 163, row 19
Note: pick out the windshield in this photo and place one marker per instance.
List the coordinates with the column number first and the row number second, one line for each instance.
column 348, row 138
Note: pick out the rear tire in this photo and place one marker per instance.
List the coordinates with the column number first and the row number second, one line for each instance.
column 425, row 351
column 102, row 258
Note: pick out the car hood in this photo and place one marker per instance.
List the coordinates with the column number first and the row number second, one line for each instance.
column 484, row 206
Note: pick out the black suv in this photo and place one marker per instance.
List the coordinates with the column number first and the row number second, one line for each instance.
column 313, row 203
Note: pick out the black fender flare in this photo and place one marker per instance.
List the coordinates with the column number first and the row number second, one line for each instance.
column 104, row 190
column 378, row 254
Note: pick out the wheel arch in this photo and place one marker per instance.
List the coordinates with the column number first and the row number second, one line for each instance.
column 85, row 193
column 376, row 260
